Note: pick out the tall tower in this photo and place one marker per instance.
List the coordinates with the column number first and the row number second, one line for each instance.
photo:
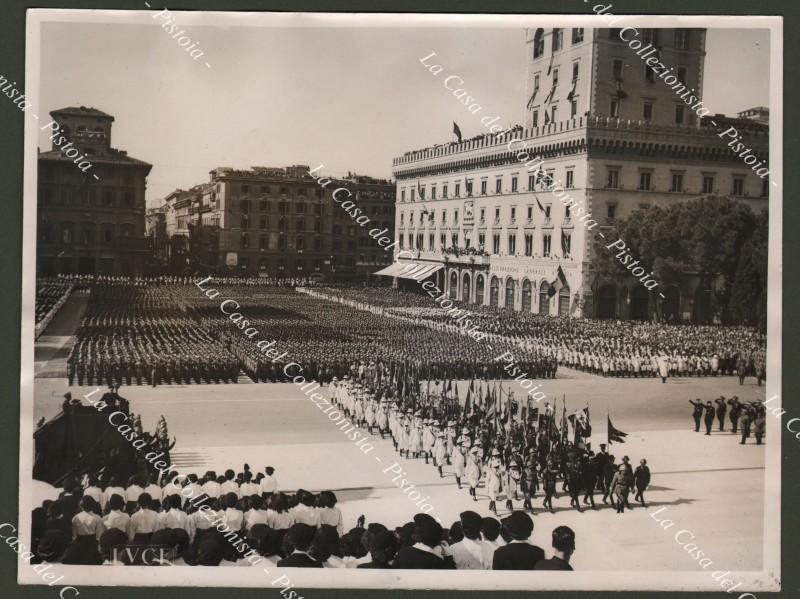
column 573, row 72
column 88, row 129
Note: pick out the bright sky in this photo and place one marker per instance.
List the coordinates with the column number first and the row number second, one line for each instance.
column 349, row 98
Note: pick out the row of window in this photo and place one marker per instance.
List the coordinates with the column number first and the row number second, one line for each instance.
column 246, row 205
column 298, row 265
column 529, row 249
column 106, row 198
column 681, row 39
column 443, row 220
column 556, row 41
column 707, row 182
column 533, row 181
column 84, row 233
column 615, row 110
column 300, row 225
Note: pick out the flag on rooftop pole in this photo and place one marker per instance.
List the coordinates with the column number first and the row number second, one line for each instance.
column 457, row 131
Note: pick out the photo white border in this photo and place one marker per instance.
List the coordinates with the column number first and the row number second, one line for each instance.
column 768, row 579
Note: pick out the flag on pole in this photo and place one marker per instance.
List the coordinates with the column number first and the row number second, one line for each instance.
column 571, row 94
column 561, row 281
column 457, row 131
column 615, row 435
column 538, row 203
column 533, row 96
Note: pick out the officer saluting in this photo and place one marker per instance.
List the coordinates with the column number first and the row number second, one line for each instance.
column 697, row 413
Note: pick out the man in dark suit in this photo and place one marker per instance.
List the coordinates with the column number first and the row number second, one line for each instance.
column 563, row 548
column 427, row 553
column 519, row 554
column 300, row 536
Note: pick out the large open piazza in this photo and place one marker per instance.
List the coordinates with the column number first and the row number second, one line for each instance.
column 711, row 486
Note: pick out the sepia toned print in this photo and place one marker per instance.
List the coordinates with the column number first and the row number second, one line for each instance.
column 377, row 294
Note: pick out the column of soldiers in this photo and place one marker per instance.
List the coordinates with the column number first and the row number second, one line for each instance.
column 515, row 458
column 746, row 418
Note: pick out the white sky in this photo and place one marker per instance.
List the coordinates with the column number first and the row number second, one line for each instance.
column 350, row 98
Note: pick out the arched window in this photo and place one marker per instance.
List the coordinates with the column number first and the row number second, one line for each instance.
column 544, row 298
column 479, row 289
column 526, row 296
column 563, row 301
column 465, row 288
column 494, row 292
column 511, row 291
column 453, row 285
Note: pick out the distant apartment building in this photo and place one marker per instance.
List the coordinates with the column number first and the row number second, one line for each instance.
column 279, row 222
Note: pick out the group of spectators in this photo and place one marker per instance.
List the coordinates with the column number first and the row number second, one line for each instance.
column 204, row 521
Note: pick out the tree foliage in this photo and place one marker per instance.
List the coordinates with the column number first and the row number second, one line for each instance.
column 713, row 238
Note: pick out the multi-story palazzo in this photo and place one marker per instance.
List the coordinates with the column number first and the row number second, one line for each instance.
column 280, row 222
column 614, row 136
column 91, row 213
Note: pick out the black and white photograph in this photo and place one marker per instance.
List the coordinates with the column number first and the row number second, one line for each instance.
column 383, row 293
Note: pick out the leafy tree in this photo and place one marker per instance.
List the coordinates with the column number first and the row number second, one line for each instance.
column 707, row 237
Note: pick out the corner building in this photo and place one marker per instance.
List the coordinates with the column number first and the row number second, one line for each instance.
column 88, row 225
column 483, row 219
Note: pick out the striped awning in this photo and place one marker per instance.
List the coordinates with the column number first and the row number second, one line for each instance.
column 409, row 269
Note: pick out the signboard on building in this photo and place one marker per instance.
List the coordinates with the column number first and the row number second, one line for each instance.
column 231, row 259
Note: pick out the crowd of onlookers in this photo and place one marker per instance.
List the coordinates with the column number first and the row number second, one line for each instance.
column 208, row 521
column 607, row 347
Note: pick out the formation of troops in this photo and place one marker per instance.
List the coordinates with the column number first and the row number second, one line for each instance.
column 514, row 452
column 602, row 347
column 164, row 331
column 746, row 418
column 168, row 332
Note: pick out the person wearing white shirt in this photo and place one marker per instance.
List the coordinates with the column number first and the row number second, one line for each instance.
column 198, row 522
column 472, row 553
column 232, row 516
column 94, row 491
column 116, row 518
column 256, row 515
column 174, row 517
column 143, row 522
column 194, row 489
column 328, row 513
column 249, row 488
column 230, row 485
column 154, row 489
column 279, row 516
column 211, row 487
column 269, row 484
column 132, row 493
column 111, row 490
column 173, row 487
column 86, row 524
column 305, row 512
